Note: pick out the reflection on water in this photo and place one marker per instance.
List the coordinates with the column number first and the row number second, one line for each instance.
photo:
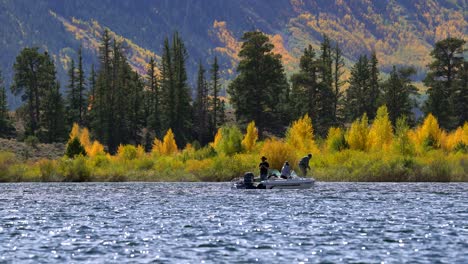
column 194, row 222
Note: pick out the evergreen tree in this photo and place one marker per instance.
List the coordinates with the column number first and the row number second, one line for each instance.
column 152, row 99
column 6, row 128
column 216, row 102
column 81, row 89
column 91, row 96
column 447, row 87
column 34, row 78
column 261, row 85
column 312, row 88
column 374, row 88
column 396, row 93
column 358, row 92
column 338, row 71
column 53, row 119
column 52, row 126
column 201, row 118
column 101, row 102
column 27, row 82
column 72, row 96
column 176, row 112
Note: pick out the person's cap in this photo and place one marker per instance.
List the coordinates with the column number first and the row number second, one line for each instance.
column 264, row 158
column 287, row 162
column 310, row 155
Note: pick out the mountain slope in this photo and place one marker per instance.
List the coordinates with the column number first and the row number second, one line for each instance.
column 401, row 32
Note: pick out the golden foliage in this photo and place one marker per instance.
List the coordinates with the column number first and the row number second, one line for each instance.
column 250, row 138
column 84, row 139
column 357, row 135
column 301, row 135
column 381, row 131
column 166, row 147
column 96, row 149
column 336, row 139
column 428, row 134
column 452, row 140
column 75, row 132
column 218, row 137
column 126, row 152
column 277, row 152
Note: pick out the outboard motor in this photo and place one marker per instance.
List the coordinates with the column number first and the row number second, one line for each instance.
column 249, row 180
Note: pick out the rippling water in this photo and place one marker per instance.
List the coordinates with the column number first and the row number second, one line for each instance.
column 196, row 222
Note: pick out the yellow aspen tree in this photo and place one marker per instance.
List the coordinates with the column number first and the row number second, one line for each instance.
column 169, row 145
column 278, row 152
column 157, row 147
column 335, row 139
column 358, row 133
column 84, row 139
column 429, row 133
column 301, row 135
column 96, row 149
column 217, row 139
column 75, row 132
column 381, row 131
column 250, row 138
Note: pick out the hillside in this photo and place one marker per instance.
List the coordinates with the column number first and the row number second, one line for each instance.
column 401, row 32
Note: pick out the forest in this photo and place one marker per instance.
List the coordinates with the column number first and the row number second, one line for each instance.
column 121, row 126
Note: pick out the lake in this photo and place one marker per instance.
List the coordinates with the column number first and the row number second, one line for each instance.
column 211, row 223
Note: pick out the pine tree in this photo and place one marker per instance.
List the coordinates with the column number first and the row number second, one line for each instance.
column 27, row 83
column 152, row 100
column 81, row 88
column 258, row 89
column 72, row 96
column 312, row 88
column 51, row 108
column 356, row 103
column 397, row 91
column 201, row 122
column 304, row 86
column 216, row 102
column 374, row 87
column 6, row 128
column 447, row 84
column 53, row 115
column 183, row 124
column 176, row 112
column 101, row 104
column 338, row 65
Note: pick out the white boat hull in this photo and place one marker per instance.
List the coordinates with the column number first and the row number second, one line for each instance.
column 295, row 183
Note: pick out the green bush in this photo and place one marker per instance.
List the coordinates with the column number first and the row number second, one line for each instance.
column 74, row 148
column 75, row 170
column 32, row 141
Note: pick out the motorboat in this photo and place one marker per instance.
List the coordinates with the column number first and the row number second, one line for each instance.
column 274, row 181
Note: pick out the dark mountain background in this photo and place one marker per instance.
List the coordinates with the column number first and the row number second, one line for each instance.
column 402, row 32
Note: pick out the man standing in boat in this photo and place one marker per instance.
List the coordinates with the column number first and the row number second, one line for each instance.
column 304, row 164
column 264, row 166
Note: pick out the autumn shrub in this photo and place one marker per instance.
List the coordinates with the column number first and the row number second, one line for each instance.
column 75, row 170
column 381, row 132
column 402, row 143
column 277, row 152
column 7, row 161
column 49, row 170
column 96, row 149
column 301, row 135
column 336, row 140
column 357, row 135
column 229, row 142
column 127, row 152
column 250, row 138
column 428, row 135
column 167, row 146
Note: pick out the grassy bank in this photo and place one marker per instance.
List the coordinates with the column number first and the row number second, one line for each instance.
column 348, row 165
column 363, row 152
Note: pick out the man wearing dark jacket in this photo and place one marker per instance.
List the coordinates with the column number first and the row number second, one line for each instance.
column 264, row 166
column 304, row 164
